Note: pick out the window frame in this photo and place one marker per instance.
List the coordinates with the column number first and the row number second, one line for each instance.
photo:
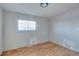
column 28, row 26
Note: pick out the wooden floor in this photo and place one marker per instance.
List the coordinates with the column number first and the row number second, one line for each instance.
column 45, row 49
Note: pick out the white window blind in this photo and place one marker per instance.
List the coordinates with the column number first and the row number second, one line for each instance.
column 25, row 25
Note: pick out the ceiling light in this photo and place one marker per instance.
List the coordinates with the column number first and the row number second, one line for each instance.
column 44, row 5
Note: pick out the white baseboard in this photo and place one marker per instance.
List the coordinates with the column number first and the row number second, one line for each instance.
column 60, row 44
column 29, row 45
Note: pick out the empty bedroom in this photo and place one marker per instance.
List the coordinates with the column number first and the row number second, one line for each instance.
column 39, row 29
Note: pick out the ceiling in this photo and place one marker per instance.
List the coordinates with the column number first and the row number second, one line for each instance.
column 35, row 8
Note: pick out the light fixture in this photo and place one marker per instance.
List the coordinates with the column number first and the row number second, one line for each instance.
column 44, row 5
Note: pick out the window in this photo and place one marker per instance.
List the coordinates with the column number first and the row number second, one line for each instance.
column 25, row 25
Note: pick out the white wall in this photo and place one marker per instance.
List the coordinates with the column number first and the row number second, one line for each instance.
column 64, row 29
column 15, row 39
column 1, row 30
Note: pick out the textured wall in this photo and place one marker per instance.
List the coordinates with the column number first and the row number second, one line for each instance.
column 15, row 39
column 64, row 29
column 1, row 28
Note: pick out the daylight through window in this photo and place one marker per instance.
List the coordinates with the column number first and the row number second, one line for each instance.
column 25, row 25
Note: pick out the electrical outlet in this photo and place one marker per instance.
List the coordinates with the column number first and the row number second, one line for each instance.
column 33, row 41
